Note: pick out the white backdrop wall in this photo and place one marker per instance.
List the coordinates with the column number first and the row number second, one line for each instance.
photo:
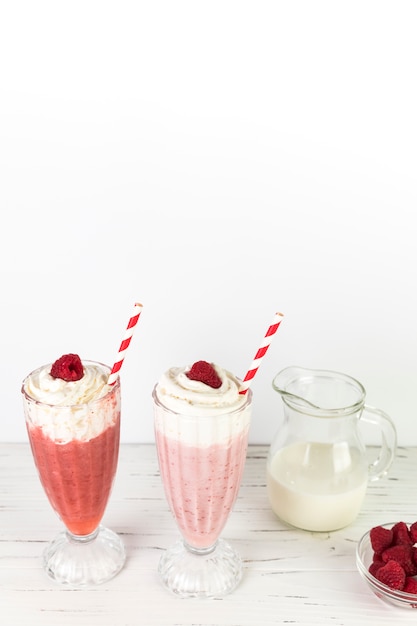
column 216, row 161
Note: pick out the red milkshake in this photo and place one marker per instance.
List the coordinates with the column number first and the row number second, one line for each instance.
column 77, row 476
column 73, row 423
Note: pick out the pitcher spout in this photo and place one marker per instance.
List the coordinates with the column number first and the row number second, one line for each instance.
column 326, row 391
column 290, row 383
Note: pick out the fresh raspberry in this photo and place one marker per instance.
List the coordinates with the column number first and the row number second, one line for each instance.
column 401, row 534
column 375, row 565
column 410, row 585
column 392, row 575
column 381, row 538
column 68, row 367
column 402, row 554
column 205, row 373
column 413, row 532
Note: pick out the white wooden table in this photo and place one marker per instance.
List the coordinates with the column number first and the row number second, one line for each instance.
column 290, row 576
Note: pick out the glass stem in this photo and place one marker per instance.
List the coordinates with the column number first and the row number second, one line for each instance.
column 200, row 551
column 82, row 538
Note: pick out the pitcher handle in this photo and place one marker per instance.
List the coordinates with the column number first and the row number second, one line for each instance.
column 380, row 466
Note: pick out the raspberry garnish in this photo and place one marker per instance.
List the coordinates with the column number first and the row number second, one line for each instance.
column 205, row 373
column 391, row 574
column 68, row 367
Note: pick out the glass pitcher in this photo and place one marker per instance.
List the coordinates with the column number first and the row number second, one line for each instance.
column 317, row 467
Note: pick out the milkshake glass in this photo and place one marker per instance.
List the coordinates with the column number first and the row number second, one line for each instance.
column 74, row 430
column 201, row 437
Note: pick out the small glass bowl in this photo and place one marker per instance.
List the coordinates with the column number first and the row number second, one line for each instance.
column 364, row 557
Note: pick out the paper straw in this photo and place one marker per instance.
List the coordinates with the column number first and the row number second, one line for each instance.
column 125, row 343
column 260, row 353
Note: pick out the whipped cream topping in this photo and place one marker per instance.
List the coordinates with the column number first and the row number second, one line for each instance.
column 190, row 397
column 193, row 412
column 41, row 386
column 67, row 410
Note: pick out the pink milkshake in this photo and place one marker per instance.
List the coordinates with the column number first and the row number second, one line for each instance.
column 201, row 484
column 201, row 430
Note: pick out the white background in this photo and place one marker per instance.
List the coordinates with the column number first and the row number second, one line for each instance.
column 216, row 161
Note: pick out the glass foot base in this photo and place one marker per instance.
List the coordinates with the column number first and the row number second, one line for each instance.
column 84, row 561
column 191, row 573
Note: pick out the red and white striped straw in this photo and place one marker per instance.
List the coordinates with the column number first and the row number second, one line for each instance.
column 125, row 343
column 260, row 353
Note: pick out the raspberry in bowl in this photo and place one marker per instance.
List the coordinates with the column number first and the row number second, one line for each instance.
column 386, row 557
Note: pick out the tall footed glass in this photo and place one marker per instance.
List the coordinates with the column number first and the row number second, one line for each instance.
column 75, row 447
column 201, row 460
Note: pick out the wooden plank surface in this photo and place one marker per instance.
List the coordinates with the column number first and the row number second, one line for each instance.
column 290, row 576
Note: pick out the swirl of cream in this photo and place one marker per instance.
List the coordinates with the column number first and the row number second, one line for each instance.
column 43, row 387
column 180, row 394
